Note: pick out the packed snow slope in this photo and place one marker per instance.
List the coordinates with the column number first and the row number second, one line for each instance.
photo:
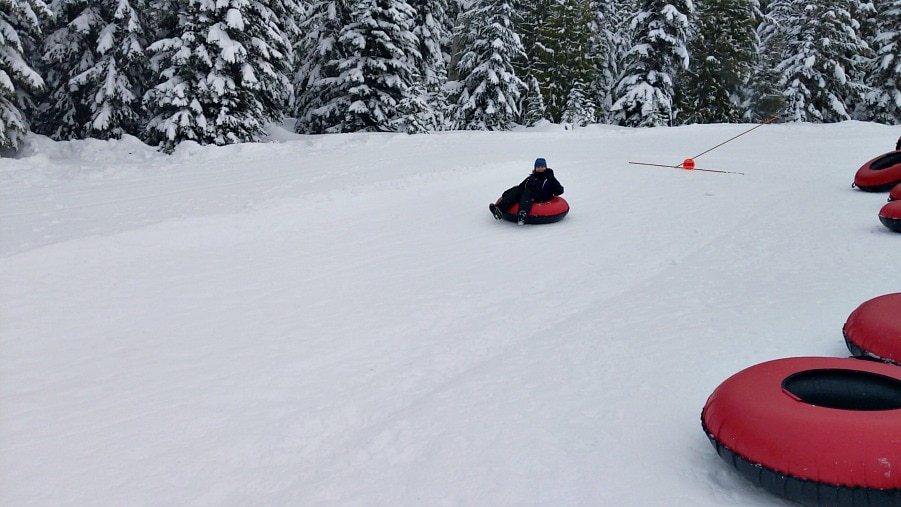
column 339, row 320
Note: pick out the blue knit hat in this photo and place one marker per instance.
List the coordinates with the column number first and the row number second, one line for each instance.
column 540, row 162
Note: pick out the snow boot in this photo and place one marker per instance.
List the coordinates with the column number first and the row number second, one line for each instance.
column 521, row 218
column 498, row 214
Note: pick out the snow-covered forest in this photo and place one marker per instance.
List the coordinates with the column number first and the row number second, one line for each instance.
column 218, row 71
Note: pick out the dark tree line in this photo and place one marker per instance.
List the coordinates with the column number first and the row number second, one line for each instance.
column 218, row 71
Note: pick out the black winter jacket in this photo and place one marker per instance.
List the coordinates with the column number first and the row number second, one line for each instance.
column 544, row 185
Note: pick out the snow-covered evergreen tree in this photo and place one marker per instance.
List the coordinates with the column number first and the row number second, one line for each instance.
column 646, row 87
column 432, row 28
column 318, row 73
column 563, row 61
column 723, row 52
column 20, row 30
column 533, row 109
column 375, row 85
column 819, row 61
column 615, row 38
column 580, row 108
column 529, row 16
column 884, row 72
column 489, row 91
column 223, row 73
column 765, row 94
column 863, row 15
column 381, row 69
column 95, row 66
column 451, row 45
column 864, row 12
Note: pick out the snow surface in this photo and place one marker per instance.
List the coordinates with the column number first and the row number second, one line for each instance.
column 338, row 319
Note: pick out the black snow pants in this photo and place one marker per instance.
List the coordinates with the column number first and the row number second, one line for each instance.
column 524, row 194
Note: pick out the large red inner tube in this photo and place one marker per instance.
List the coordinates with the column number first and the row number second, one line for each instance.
column 880, row 174
column 890, row 215
column 874, row 329
column 895, row 194
column 542, row 212
column 815, row 430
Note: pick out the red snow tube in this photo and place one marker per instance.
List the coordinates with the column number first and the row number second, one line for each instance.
column 814, row 430
column 874, row 329
column 880, row 174
column 542, row 212
column 890, row 215
column 895, row 194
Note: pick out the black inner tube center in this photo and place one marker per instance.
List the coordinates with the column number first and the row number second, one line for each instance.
column 845, row 389
column 886, row 161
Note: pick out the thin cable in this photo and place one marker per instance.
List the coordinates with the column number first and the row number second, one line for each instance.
column 736, row 137
column 680, row 167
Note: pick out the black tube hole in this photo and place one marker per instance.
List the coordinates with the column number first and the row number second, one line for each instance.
column 886, row 161
column 845, row 389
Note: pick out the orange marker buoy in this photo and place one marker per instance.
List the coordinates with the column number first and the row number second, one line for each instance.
column 688, row 164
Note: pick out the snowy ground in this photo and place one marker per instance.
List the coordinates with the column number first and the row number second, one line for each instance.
column 338, row 320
